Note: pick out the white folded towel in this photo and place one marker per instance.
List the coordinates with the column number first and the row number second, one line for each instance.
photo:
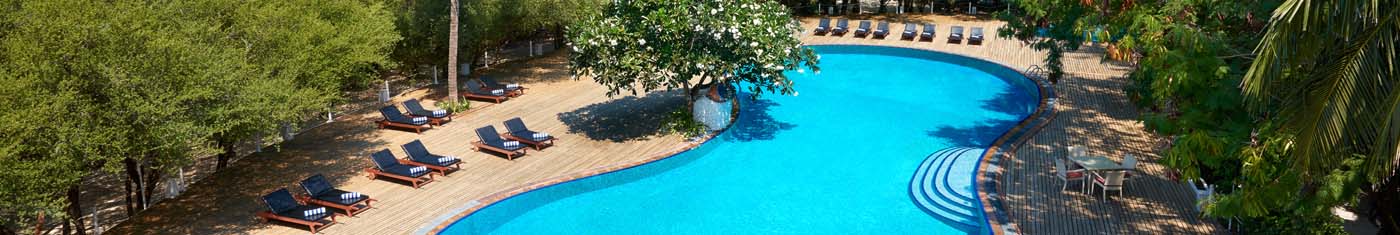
column 439, row 112
column 420, row 119
column 512, row 144
column 317, row 211
column 498, row 92
column 350, row 195
column 541, row 135
column 415, row 170
column 446, row 159
column 512, row 85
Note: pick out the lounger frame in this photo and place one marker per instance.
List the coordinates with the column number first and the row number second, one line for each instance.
column 374, row 173
column 510, row 155
column 314, row 226
column 350, row 210
column 530, row 141
column 383, row 123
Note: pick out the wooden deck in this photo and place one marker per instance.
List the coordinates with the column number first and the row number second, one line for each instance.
column 1093, row 111
column 593, row 131
column 597, row 131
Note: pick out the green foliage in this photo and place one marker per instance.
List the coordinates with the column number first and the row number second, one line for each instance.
column 643, row 45
column 455, row 106
column 681, row 121
column 484, row 24
column 1291, row 225
column 90, row 84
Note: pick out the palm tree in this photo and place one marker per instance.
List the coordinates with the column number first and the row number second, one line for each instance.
column 1330, row 70
column 452, row 55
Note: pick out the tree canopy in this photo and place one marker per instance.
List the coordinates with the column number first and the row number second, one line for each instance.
column 147, row 86
column 643, row 45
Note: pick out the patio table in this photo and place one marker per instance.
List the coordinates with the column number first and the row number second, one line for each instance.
column 1096, row 163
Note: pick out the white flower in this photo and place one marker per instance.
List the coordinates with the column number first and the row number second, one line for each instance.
column 576, row 48
column 732, row 29
column 753, row 44
column 794, row 93
column 642, row 41
column 612, row 41
column 713, row 11
column 760, row 51
column 757, row 22
column 801, row 70
column 780, row 67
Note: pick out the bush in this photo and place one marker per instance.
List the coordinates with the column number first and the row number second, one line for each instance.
column 680, row 121
column 455, row 107
column 1282, row 223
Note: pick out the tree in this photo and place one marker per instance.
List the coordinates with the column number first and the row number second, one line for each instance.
column 644, row 45
column 1347, row 111
column 452, row 55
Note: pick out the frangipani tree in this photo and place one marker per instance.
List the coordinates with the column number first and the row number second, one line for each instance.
column 642, row 45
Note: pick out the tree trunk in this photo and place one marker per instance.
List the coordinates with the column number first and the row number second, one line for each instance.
column 452, row 55
column 75, row 210
column 227, row 145
column 132, row 181
column 558, row 36
column 151, row 176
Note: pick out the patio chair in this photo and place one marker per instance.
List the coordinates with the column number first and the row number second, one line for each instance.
column 823, row 27
column 882, row 30
column 975, row 38
column 415, row 109
column 393, row 118
column 1067, row 175
column 512, row 89
column 476, row 90
column 320, row 192
column 418, row 155
column 842, row 26
column 929, row 30
column 385, row 164
column 1078, row 151
column 283, row 207
column 491, row 141
column 910, row 31
column 1130, row 165
column 955, row 36
column 1204, row 192
column 864, row 29
column 1112, row 180
column 516, row 130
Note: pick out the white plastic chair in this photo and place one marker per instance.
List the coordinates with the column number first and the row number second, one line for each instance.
column 1130, row 165
column 1067, row 175
column 1112, row 180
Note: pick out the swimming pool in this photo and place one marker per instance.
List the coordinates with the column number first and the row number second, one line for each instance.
column 851, row 153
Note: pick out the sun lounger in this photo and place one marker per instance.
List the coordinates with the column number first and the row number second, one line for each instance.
column 393, row 118
column 909, row 32
column 882, row 30
column 415, row 109
column 864, row 28
column 283, row 207
column 842, row 26
column 511, row 89
column 929, row 30
column 418, row 155
column 320, row 192
column 975, row 38
column 492, row 141
column 955, row 36
column 385, row 164
column 476, row 90
column 823, row 27
column 516, row 130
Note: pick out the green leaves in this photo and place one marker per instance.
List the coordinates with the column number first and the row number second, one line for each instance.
column 646, row 45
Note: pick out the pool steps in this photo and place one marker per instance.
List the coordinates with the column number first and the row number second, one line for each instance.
column 948, row 198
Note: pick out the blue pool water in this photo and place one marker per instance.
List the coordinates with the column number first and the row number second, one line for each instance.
column 838, row 158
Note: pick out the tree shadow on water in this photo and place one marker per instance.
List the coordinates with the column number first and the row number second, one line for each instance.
column 754, row 122
column 1009, row 101
column 623, row 119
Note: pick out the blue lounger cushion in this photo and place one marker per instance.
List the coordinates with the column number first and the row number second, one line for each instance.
column 418, row 153
column 334, row 196
column 416, row 108
column 392, row 114
column 282, row 203
column 490, row 137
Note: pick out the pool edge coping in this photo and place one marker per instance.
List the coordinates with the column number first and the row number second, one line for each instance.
column 442, row 222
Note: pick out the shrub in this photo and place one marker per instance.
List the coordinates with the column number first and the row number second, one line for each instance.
column 680, row 121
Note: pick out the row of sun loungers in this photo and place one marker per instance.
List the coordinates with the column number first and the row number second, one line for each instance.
column 882, row 29
column 417, row 169
column 418, row 118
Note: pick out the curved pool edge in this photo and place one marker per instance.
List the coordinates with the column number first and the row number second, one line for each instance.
column 988, row 184
column 442, row 223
